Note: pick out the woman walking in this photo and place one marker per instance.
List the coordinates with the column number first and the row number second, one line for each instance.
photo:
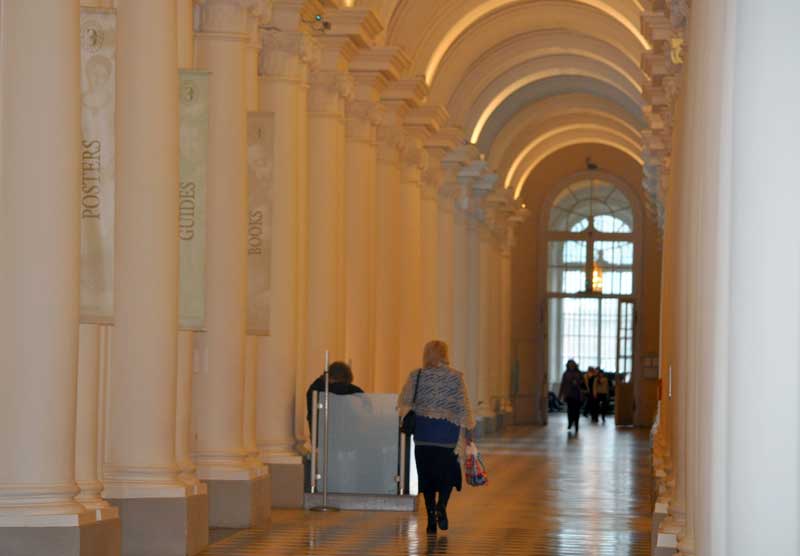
column 442, row 410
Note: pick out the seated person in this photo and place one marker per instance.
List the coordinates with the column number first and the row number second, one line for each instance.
column 340, row 381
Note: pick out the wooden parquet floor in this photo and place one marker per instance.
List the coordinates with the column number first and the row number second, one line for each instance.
column 549, row 493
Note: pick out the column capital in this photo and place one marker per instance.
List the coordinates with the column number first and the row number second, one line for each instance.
column 287, row 14
column 363, row 117
column 229, row 17
column 285, row 53
column 329, row 91
column 388, row 61
column 425, row 121
column 361, row 25
column 391, row 141
column 415, row 161
column 410, row 92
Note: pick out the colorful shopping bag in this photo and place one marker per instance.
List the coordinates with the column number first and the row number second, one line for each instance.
column 474, row 469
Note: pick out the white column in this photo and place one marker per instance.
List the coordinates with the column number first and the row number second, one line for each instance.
column 282, row 70
column 218, row 386
column 325, row 311
column 185, row 26
column 87, row 420
column 460, row 357
column 505, row 323
column 387, row 267
column 429, row 250
column 183, row 422
column 446, row 255
column 141, row 440
column 764, row 456
column 472, row 307
column 253, row 344
column 39, row 244
column 311, row 60
column 363, row 115
column 483, row 298
column 410, row 244
column 252, row 350
column 494, row 319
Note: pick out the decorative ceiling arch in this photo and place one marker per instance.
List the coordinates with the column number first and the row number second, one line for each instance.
column 512, row 109
column 429, row 31
column 473, row 108
column 508, row 149
column 568, row 138
column 478, row 60
column 533, row 136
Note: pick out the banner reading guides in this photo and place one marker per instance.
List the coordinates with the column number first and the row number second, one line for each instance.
column 98, row 77
column 193, row 111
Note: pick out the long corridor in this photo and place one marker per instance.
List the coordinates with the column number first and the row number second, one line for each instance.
column 549, row 493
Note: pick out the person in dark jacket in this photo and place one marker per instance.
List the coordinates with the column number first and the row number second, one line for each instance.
column 570, row 391
column 340, row 378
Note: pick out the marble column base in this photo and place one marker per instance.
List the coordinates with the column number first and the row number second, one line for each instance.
column 240, row 504
column 504, row 418
column 660, row 512
column 96, row 538
column 288, row 484
column 164, row 526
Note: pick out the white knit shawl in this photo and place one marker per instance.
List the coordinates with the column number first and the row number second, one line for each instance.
column 442, row 394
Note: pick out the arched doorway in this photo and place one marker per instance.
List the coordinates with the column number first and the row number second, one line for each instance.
column 590, row 229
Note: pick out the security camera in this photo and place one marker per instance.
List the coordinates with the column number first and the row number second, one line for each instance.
column 319, row 23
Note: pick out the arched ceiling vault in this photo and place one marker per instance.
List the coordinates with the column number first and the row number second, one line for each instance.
column 514, row 107
column 541, row 116
column 474, row 105
column 568, row 137
column 537, row 134
column 536, row 75
column 481, row 63
column 428, row 30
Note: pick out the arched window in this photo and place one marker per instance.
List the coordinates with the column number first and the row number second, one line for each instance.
column 589, row 231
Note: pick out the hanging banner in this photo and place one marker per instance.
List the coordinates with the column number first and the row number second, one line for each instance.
column 98, row 77
column 193, row 113
column 260, row 137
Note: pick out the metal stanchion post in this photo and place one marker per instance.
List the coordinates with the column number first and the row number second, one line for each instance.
column 314, row 428
column 325, row 507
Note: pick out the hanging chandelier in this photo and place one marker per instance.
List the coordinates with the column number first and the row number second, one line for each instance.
column 597, row 278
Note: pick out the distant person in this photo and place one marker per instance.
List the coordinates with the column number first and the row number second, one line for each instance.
column 592, row 401
column 586, row 391
column 601, row 389
column 340, row 381
column 442, row 410
column 571, row 392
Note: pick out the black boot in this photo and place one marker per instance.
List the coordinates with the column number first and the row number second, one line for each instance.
column 441, row 509
column 430, row 506
column 441, row 518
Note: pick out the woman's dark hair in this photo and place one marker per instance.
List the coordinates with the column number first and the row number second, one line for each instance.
column 340, row 372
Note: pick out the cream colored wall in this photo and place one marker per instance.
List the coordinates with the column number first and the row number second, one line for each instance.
column 528, row 331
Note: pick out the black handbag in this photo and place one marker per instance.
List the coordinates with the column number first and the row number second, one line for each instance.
column 409, row 423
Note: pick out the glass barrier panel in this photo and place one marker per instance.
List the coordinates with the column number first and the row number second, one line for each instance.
column 363, row 443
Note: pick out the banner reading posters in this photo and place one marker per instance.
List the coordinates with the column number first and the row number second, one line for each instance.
column 98, row 77
column 193, row 112
column 260, row 137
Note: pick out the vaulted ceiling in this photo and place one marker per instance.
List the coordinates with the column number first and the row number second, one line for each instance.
column 522, row 79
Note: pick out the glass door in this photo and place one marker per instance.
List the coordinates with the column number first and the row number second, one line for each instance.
column 594, row 331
